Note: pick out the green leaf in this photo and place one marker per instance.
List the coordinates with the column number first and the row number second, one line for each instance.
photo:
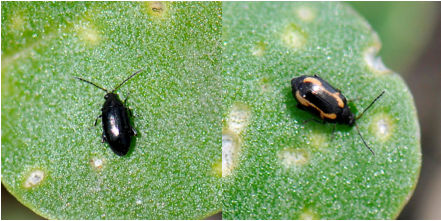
column 53, row 160
column 276, row 166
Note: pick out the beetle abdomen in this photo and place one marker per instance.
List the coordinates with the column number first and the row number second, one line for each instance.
column 117, row 130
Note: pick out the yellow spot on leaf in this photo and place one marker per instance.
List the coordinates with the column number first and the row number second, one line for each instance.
column 293, row 37
column 217, row 168
column 88, row 33
column 308, row 214
column 18, row 22
column 157, row 9
column 258, row 49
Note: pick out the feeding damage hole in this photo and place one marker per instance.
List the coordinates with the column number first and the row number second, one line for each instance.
column 306, row 14
column 293, row 158
column 239, row 117
column 230, row 152
column 293, row 37
column 157, row 9
column 238, row 120
column 97, row 163
column 374, row 62
column 34, row 178
column 382, row 126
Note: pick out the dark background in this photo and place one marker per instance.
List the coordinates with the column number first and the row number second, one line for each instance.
column 411, row 37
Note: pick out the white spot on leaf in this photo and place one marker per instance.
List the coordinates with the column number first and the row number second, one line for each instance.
column 306, row 14
column 87, row 33
column 34, row 178
column 230, row 152
column 293, row 158
column 382, row 126
column 97, row 163
column 373, row 61
column 239, row 117
column 319, row 140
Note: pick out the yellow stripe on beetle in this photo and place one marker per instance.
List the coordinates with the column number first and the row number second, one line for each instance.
column 335, row 95
column 306, row 103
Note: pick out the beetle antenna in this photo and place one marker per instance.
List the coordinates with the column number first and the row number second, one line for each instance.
column 370, row 105
column 81, row 79
column 126, row 80
column 356, row 126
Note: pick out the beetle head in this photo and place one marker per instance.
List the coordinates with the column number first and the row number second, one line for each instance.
column 347, row 116
column 296, row 82
column 109, row 96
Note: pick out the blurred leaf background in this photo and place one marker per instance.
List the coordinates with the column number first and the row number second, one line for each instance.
column 405, row 29
column 410, row 33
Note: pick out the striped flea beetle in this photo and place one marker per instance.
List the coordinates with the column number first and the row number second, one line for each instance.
column 315, row 95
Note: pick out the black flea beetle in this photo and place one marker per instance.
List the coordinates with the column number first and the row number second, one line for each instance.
column 117, row 130
column 317, row 96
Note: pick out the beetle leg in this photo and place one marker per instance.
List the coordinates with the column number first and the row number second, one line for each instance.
column 130, row 112
column 134, row 133
column 96, row 120
column 103, row 137
column 313, row 119
column 333, row 130
column 125, row 100
column 354, row 99
column 300, row 106
column 125, row 104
